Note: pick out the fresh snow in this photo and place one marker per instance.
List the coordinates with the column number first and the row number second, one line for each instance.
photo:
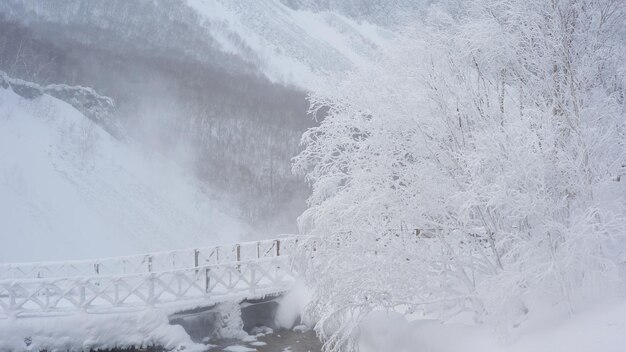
column 599, row 328
column 294, row 46
column 83, row 332
column 69, row 190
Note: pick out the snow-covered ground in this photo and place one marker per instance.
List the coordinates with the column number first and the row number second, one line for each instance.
column 598, row 328
column 69, row 190
column 87, row 331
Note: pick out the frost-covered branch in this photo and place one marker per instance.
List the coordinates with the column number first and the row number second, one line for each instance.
column 500, row 127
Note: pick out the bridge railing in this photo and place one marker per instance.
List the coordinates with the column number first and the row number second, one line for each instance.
column 152, row 262
column 186, row 288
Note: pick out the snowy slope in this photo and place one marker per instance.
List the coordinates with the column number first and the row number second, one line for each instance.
column 70, row 190
column 295, row 46
column 287, row 45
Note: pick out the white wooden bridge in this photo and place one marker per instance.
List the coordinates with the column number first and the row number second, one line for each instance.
column 182, row 279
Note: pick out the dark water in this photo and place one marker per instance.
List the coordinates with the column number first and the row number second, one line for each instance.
column 279, row 341
column 258, row 321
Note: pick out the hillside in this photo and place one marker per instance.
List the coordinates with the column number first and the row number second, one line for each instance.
column 225, row 82
column 68, row 189
column 290, row 45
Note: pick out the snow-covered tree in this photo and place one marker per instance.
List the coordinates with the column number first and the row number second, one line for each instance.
column 496, row 128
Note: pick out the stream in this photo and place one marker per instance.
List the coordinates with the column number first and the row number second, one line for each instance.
column 278, row 341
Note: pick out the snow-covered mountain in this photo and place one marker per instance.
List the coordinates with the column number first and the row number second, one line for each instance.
column 286, row 44
column 220, row 84
column 68, row 189
column 291, row 45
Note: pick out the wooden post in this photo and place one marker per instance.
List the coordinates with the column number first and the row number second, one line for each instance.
column 149, row 263
column 207, row 280
column 196, row 255
column 238, row 255
column 278, row 248
column 96, row 268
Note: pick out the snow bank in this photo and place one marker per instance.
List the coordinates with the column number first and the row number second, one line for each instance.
column 69, row 190
column 92, row 332
column 599, row 328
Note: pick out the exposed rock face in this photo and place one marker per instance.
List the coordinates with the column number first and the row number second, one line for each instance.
column 96, row 107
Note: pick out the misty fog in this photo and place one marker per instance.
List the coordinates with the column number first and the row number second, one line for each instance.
column 212, row 112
